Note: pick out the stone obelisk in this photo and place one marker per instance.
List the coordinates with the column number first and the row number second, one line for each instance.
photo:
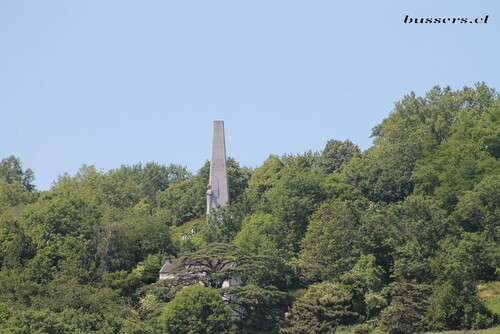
column 217, row 190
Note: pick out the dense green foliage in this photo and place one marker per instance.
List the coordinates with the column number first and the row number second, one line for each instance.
column 196, row 310
column 321, row 309
column 394, row 239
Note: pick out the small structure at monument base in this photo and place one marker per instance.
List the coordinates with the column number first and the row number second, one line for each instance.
column 167, row 270
column 171, row 268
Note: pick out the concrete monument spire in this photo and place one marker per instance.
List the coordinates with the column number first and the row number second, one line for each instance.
column 217, row 190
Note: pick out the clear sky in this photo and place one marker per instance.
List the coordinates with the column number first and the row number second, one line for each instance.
column 117, row 82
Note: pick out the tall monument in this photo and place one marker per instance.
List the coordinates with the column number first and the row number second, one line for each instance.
column 217, row 190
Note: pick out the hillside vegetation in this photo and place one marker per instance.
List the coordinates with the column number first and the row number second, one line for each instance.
column 400, row 238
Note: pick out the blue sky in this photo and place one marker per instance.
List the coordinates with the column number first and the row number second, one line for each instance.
column 111, row 83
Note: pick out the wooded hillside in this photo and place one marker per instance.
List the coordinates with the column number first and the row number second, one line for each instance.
column 393, row 239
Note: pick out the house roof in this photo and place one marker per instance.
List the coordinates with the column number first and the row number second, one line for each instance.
column 168, row 267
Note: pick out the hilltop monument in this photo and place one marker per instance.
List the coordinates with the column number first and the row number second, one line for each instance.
column 217, row 189
column 217, row 196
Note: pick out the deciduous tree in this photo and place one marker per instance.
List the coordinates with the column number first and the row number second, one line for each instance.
column 196, row 310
